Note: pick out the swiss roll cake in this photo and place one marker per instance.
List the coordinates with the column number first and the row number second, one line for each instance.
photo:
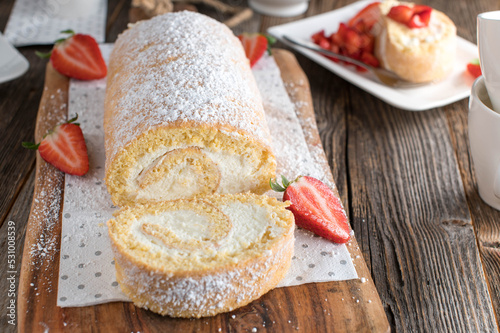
column 183, row 114
column 202, row 256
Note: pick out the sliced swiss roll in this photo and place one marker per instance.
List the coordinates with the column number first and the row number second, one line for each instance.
column 183, row 114
column 199, row 257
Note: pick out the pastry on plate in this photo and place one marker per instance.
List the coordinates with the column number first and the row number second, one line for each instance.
column 183, row 114
column 202, row 256
column 419, row 49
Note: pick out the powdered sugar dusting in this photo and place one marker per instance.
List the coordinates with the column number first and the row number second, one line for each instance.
column 87, row 274
column 182, row 67
column 286, row 130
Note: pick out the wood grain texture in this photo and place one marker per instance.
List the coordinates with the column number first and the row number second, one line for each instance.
column 399, row 197
column 39, row 271
column 485, row 219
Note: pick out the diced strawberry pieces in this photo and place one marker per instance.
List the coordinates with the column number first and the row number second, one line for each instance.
column 79, row 57
column 325, row 43
column 255, row 45
column 369, row 59
column 318, row 37
column 353, row 39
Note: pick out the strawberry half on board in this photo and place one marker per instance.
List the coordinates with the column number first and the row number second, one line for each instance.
column 315, row 207
column 77, row 56
column 255, row 45
column 64, row 147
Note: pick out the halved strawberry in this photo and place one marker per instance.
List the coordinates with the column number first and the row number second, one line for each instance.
column 77, row 56
column 401, row 14
column 369, row 15
column 421, row 16
column 64, row 147
column 255, row 45
column 474, row 68
column 417, row 16
column 315, row 207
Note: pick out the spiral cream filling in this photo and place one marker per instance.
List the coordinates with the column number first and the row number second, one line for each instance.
column 185, row 171
column 204, row 230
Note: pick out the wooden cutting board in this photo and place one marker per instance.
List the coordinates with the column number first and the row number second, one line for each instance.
column 343, row 306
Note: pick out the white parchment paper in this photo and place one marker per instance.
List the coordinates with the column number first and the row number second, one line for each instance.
column 40, row 22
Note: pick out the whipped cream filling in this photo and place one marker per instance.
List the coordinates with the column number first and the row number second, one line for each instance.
column 248, row 225
column 236, row 172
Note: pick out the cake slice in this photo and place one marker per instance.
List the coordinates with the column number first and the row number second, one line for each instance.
column 202, row 256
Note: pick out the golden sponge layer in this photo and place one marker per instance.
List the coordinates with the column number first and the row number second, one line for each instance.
column 183, row 113
column 240, row 248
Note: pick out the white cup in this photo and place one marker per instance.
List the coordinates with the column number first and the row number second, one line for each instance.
column 488, row 39
column 484, row 139
column 281, row 8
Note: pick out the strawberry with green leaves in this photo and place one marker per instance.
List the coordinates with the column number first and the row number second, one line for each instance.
column 77, row 56
column 255, row 45
column 64, row 147
column 315, row 207
column 474, row 68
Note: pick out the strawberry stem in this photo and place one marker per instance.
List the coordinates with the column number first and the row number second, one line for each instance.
column 72, row 120
column 270, row 41
column 43, row 55
column 275, row 186
column 30, row 145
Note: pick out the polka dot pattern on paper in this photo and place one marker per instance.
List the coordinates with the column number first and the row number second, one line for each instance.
column 35, row 23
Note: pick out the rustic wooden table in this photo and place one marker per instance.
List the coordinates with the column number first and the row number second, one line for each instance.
column 406, row 179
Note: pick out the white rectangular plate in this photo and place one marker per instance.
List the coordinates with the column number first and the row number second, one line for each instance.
column 455, row 87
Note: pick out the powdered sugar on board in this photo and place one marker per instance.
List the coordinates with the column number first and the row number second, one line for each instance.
column 87, row 274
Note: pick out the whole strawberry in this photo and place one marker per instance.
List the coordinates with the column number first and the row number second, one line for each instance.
column 315, row 207
column 77, row 56
column 64, row 147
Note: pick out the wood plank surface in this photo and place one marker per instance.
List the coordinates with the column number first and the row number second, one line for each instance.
column 411, row 218
column 341, row 306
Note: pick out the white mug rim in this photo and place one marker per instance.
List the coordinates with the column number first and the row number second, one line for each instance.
column 475, row 87
column 493, row 15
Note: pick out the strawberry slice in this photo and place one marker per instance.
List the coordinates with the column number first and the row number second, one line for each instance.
column 402, row 14
column 474, row 68
column 366, row 17
column 64, row 147
column 315, row 207
column 421, row 16
column 417, row 16
column 77, row 56
column 255, row 45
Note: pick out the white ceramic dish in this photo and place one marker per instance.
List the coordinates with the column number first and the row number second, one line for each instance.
column 455, row 87
column 12, row 63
